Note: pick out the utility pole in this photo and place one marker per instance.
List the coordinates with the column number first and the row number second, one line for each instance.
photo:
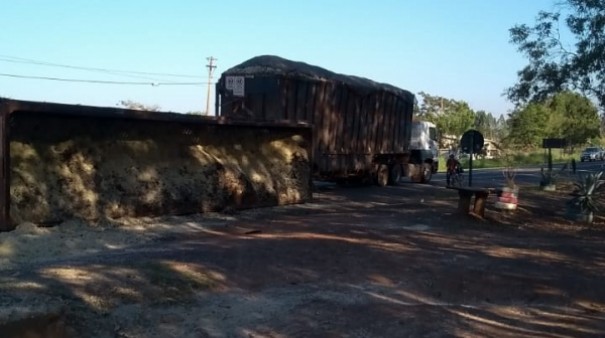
column 441, row 105
column 211, row 66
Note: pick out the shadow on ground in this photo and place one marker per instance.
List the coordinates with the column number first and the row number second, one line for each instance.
column 357, row 262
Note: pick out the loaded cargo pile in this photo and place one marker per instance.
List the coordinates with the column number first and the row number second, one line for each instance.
column 361, row 128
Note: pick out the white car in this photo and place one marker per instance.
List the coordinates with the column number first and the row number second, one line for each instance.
column 592, row 154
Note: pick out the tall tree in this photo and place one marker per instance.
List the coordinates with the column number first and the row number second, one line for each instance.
column 527, row 126
column 459, row 119
column 486, row 124
column 566, row 115
column 573, row 117
column 572, row 59
column 452, row 117
column 502, row 128
column 432, row 106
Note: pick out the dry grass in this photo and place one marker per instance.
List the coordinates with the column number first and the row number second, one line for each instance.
column 76, row 170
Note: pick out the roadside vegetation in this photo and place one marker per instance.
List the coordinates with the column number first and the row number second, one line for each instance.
column 538, row 157
column 517, row 137
column 558, row 94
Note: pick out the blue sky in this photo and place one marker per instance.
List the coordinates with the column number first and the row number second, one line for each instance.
column 456, row 49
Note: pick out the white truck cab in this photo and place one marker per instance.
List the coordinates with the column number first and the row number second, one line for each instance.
column 424, row 142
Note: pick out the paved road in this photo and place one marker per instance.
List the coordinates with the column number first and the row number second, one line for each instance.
column 525, row 175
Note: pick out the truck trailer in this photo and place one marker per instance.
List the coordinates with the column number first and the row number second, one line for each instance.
column 361, row 129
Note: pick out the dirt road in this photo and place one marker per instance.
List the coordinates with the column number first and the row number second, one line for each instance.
column 358, row 262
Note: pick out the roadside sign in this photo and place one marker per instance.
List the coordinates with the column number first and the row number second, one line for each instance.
column 472, row 142
column 554, row 143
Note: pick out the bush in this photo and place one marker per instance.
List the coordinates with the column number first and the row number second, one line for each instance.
column 537, row 157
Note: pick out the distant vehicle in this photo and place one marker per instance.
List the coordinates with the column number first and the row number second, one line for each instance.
column 592, row 154
column 424, row 140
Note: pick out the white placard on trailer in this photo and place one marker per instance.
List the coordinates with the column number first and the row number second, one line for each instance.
column 238, row 85
column 229, row 82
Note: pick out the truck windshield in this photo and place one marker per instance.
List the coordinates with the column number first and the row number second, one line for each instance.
column 433, row 133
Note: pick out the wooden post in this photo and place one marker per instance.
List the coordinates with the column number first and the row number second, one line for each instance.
column 464, row 202
column 479, row 205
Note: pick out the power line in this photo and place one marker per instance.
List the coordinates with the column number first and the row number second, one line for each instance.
column 78, row 68
column 13, row 59
column 103, row 81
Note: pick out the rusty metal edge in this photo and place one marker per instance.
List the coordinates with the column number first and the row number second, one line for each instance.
column 61, row 109
column 5, row 222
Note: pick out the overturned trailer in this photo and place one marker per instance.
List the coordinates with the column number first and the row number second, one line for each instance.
column 61, row 162
column 361, row 128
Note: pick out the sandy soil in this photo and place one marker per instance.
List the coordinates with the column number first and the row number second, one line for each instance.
column 356, row 262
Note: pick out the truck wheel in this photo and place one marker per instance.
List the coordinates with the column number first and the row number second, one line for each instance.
column 395, row 173
column 382, row 175
column 427, row 172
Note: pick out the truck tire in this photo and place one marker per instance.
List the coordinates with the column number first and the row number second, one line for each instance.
column 382, row 175
column 427, row 172
column 395, row 173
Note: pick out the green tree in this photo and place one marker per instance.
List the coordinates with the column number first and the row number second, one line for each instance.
column 572, row 59
column 452, row 117
column 458, row 119
column 566, row 115
column 486, row 123
column 573, row 117
column 527, row 126
column 432, row 106
column 502, row 128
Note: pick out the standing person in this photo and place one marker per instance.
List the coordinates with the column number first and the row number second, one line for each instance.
column 573, row 165
column 452, row 166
